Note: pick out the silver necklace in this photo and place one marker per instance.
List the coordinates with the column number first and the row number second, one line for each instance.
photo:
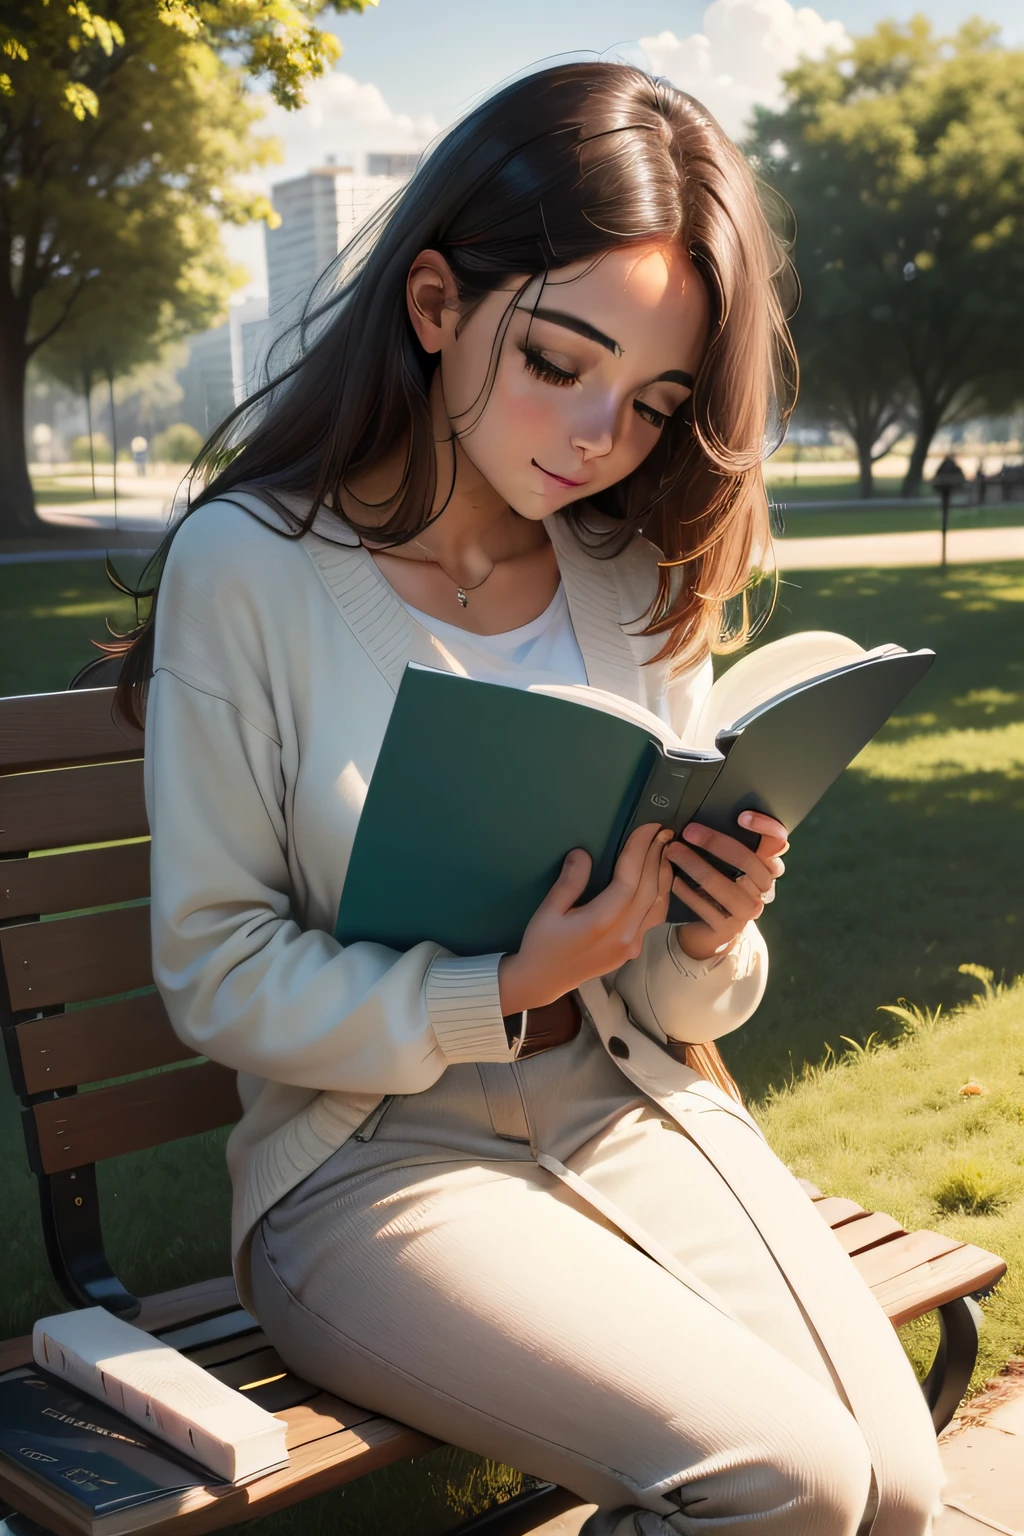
column 461, row 592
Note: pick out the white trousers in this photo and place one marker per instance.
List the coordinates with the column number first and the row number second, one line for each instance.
column 478, row 1298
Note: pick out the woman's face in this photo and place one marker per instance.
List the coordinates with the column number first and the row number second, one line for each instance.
column 595, row 360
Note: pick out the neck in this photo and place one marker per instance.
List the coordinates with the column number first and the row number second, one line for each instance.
column 477, row 528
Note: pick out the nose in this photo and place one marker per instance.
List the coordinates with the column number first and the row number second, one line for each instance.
column 593, row 437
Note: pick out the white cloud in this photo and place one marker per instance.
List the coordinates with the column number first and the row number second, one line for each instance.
column 344, row 119
column 737, row 61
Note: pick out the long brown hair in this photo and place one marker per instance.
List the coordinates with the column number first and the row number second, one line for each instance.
column 555, row 168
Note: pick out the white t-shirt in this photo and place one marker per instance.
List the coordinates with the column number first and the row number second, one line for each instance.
column 544, row 651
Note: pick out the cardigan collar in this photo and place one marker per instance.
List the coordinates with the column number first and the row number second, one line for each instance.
column 392, row 637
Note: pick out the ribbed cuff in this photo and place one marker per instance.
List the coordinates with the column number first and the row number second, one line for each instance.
column 464, row 1008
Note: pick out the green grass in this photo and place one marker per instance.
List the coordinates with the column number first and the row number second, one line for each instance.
column 909, row 867
column 792, row 520
column 49, row 613
column 889, row 1127
column 786, row 484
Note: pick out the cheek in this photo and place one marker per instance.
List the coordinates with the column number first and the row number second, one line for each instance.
column 519, row 417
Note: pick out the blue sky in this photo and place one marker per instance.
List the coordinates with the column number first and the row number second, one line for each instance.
column 433, row 57
column 410, row 66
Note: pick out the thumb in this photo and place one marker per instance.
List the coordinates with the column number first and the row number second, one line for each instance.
column 572, row 881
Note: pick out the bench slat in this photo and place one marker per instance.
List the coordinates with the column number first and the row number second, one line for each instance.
column 91, row 1044
column 867, row 1231
column 74, row 959
column 71, row 806
column 316, row 1466
column 238, row 1348
column 322, row 1415
column 894, row 1258
column 834, row 1209
column 167, row 1311
column 254, row 1374
column 246, row 1370
column 959, row 1273
column 50, row 730
column 129, row 1117
column 66, row 882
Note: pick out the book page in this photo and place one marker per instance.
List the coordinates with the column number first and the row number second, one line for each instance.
column 767, row 672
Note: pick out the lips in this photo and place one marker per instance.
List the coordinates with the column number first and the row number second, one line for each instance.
column 559, row 479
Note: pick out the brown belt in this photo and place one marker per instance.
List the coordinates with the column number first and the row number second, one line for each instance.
column 555, row 1024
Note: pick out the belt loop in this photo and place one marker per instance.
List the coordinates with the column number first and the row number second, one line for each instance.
column 504, row 1100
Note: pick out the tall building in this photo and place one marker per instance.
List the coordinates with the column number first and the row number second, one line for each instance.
column 206, row 379
column 319, row 213
column 223, row 364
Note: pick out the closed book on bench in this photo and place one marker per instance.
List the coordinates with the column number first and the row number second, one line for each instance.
column 480, row 790
column 161, row 1390
column 83, row 1450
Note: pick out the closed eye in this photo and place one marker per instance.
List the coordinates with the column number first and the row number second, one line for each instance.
column 541, row 368
column 649, row 414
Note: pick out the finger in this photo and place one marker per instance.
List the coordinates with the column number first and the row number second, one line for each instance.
column 762, row 870
column 571, row 882
column 705, row 908
column 631, row 862
column 631, row 920
column 767, row 826
column 757, row 892
column 733, row 896
column 650, row 877
column 650, row 912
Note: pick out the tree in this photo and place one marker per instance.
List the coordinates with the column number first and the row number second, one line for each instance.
column 903, row 158
column 121, row 138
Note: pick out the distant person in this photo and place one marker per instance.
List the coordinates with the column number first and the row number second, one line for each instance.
column 140, row 453
column 949, row 473
column 559, row 355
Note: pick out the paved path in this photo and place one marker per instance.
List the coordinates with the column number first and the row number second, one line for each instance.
column 145, row 520
column 137, row 512
column 982, row 1452
column 965, row 546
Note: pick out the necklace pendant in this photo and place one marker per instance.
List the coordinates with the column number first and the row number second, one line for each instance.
column 461, row 595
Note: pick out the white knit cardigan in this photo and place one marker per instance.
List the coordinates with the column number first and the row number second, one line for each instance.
column 277, row 663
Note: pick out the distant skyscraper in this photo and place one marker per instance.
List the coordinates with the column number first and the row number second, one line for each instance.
column 319, row 213
column 223, row 364
column 391, row 165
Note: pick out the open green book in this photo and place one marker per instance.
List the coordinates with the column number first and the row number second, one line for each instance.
column 480, row 790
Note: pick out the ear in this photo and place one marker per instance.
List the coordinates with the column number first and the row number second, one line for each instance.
column 432, row 298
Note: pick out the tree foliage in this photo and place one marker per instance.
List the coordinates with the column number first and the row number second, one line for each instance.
column 123, row 135
column 903, row 159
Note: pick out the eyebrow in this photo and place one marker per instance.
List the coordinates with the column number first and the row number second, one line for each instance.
column 591, row 333
column 574, row 323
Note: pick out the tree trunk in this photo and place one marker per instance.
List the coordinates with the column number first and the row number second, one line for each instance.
column 927, row 426
column 18, row 518
column 865, row 469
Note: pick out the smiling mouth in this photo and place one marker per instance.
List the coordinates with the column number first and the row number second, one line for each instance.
column 560, row 478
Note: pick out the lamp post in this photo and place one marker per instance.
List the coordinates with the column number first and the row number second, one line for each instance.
column 949, row 477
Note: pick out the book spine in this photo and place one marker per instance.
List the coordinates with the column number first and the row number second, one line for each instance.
column 673, row 791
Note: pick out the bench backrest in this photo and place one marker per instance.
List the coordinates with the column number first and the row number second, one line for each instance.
column 77, row 1003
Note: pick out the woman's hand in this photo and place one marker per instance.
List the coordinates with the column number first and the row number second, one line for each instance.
column 723, row 905
column 565, row 945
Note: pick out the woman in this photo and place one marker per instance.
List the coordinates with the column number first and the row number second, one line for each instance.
column 485, row 1194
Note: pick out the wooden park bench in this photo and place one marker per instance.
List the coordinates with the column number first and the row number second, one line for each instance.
column 78, row 1009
